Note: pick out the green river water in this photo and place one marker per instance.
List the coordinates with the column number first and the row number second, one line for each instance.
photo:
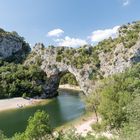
column 62, row 109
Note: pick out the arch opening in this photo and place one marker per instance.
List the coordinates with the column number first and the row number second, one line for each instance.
column 68, row 78
column 68, row 81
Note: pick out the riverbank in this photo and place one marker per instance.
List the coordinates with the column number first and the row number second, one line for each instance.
column 70, row 87
column 14, row 103
column 83, row 126
column 19, row 102
column 79, row 122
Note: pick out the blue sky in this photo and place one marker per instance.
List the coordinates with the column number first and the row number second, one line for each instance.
column 67, row 22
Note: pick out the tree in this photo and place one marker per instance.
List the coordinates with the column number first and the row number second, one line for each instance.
column 38, row 128
column 92, row 103
column 119, row 91
column 113, row 102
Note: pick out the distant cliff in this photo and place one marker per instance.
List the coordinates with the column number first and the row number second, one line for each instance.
column 12, row 46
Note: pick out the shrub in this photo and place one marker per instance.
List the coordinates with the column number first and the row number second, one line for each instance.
column 98, row 127
column 24, row 95
column 58, row 58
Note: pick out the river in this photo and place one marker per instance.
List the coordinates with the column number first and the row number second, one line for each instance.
column 62, row 109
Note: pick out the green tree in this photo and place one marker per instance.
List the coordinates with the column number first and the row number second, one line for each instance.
column 92, row 103
column 38, row 128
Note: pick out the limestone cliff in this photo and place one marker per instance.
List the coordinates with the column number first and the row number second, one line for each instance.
column 88, row 63
column 120, row 59
column 12, row 46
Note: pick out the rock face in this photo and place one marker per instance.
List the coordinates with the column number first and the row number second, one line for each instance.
column 55, row 70
column 110, row 63
column 12, row 45
column 120, row 59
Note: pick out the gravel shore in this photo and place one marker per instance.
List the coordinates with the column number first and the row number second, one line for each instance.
column 13, row 103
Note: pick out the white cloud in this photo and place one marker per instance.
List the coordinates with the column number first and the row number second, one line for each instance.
column 71, row 42
column 55, row 33
column 100, row 35
column 126, row 2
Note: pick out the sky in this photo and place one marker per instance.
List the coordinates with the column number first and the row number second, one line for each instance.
column 67, row 22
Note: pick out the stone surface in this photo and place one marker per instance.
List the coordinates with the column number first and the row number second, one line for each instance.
column 55, row 70
column 11, row 44
column 110, row 63
column 120, row 59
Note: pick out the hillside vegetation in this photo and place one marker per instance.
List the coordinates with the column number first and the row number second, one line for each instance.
column 128, row 36
column 17, row 80
column 89, row 56
column 116, row 100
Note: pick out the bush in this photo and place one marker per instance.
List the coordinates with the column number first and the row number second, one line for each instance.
column 38, row 128
column 58, row 58
column 98, row 127
column 24, row 95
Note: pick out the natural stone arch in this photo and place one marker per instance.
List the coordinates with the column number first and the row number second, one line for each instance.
column 55, row 69
column 46, row 57
column 55, row 72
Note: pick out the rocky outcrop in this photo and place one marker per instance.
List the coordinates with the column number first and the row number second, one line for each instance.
column 55, row 70
column 110, row 63
column 12, row 45
column 120, row 59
